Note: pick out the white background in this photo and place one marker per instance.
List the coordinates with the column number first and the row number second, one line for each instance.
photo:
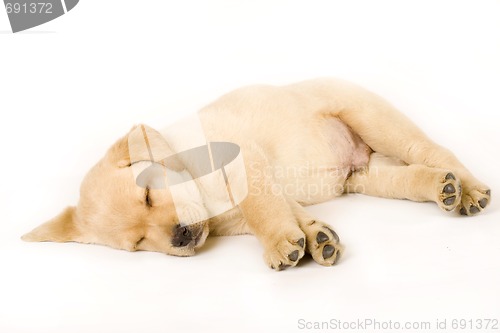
column 71, row 87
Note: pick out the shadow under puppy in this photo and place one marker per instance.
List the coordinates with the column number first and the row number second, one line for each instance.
column 301, row 144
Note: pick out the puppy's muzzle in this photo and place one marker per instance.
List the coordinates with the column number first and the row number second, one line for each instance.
column 187, row 235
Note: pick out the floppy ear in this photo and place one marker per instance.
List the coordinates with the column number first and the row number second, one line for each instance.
column 60, row 229
column 144, row 143
column 118, row 154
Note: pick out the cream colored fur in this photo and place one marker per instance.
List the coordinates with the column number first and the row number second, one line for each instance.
column 302, row 144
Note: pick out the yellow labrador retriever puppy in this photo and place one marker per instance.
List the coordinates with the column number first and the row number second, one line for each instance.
column 301, row 144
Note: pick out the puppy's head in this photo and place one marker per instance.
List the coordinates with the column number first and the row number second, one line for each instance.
column 114, row 210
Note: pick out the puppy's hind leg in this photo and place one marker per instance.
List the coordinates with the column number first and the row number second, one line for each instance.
column 391, row 178
column 389, row 132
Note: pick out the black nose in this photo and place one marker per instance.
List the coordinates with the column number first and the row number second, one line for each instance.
column 182, row 236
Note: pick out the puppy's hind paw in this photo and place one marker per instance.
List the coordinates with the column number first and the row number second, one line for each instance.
column 474, row 200
column 449, row 192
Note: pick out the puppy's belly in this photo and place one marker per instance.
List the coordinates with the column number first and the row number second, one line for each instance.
column 318, row 170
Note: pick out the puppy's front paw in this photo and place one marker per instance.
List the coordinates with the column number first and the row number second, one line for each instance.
column 322, row 243
column 285, row 251
column 475, row 198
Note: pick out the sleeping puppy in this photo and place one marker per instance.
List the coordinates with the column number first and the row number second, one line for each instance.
column 301, row 144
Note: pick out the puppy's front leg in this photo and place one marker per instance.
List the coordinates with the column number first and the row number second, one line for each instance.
column 322, row 243
column 269, row 215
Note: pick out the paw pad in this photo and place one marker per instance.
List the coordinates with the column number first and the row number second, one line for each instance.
column 449, row 201
column 334, row 234
column 483, row 202
column 449, row 188
column 474, row 200
column 282, row 267
column 321, row 237
column 473, row 210
column 328, row 251
column 301, row 242
column 294, row 256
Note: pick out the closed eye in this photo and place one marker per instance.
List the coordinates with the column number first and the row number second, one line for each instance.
column 147, row 198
